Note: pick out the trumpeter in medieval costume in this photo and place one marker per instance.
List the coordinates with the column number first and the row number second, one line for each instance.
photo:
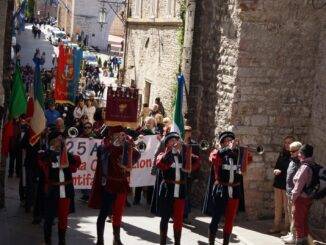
column 175, row 164
column 57, row 166
column 111, row 183
column 224, row 188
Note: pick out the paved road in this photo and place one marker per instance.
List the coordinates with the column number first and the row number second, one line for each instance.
column 139, row 227
column 29, row 45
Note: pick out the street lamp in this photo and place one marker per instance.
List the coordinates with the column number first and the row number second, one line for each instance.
column 102, row 15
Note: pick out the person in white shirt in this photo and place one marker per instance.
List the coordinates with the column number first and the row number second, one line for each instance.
column 90, row 111
column 80, row 110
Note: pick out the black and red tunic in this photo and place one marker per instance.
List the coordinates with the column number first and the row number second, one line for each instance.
column 226, row 171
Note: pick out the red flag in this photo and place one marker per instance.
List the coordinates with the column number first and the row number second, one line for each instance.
column 7, row 134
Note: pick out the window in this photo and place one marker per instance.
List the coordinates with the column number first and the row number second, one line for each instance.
column 171, row 7
column 153, row 8
column 138, row 6
column 147, row 92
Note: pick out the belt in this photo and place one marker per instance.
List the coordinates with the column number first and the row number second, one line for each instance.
column 61, row 183
column 229, row 184
column 117, row 179
column 178, row 182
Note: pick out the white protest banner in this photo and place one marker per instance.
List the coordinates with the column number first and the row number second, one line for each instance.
column 86, row 148
column 141, row 172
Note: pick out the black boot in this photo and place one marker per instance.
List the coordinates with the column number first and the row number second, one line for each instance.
column 211, row 238
column 100, row 233
column 47, row 234
column 163, row 236
column 226, row 239
column 62, row 237
column 116, row 235
column 177, row 237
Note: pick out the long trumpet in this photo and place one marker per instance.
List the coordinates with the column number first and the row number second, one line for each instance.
column 140, row 145
column 73, row 132
column 258, row 149
column 204, row 145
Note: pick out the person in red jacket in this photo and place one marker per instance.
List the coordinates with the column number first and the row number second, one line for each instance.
column 175, row 164
column 111, row 182
column 57, row 166
column 224, row 189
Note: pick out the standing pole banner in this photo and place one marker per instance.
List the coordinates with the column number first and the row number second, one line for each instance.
column 141, row 171
column 67, row 74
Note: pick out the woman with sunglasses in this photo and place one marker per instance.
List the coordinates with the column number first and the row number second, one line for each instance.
column 280, row 199
column 291, row 171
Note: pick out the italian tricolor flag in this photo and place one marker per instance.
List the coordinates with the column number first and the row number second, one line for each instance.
column 38, row 120
column 178, row 121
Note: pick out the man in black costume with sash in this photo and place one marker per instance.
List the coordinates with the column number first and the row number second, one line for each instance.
column 175, row 163
column 224, row 189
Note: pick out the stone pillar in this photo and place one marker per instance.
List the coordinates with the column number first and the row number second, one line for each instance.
column 318, row 127
column 187, row 45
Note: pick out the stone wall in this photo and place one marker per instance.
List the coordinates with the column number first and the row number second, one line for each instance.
column 318, row 127
column 45, row 9
column 85, row 18
column 253, row 72
column 64, row 16
column 153, row 53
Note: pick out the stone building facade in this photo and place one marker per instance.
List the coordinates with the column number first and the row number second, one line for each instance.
column 81, row 17
column 43, row 9
column 258, row 68
column 153, row 49
column 64, row 15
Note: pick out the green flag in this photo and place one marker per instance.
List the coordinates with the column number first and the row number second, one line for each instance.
column 18, row 101
column 178, row 122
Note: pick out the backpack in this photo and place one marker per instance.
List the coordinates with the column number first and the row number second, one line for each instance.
column 317, row 187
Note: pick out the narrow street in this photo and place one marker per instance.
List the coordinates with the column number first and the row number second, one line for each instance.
column 139, row 226
column 29, row 45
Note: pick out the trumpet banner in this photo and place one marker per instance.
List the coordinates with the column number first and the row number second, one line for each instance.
column 122, row 107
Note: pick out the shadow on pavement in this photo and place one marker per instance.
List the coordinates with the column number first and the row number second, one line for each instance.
column 142, row 234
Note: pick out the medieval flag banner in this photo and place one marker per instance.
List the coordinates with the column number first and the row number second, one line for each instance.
column 17, row 107
column 122, row 107
column 18, row 100
column 67, row 74
column 38, row 120
column 178, row 122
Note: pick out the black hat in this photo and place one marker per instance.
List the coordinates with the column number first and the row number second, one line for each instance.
column 307, row 150
column 226, row 134
column 170, row 136
column 54, row 134
column 115, row 129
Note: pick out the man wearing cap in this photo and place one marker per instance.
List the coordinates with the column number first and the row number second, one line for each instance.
column 92, row 99
column 224, row 188
column 51, row 114
column 111, row 182
column 57, row 166
column 175, row 163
